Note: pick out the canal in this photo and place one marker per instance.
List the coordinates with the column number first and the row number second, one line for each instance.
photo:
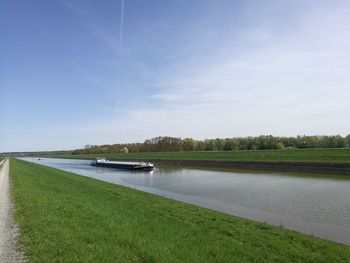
column 318, row 205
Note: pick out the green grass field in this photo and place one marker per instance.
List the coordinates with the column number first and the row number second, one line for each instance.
column 293, row 155
column 70, row 218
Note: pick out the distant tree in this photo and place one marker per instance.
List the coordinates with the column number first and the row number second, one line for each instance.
column 242, row 143
column 263, row 142
column 209, row 145
column 200, row 146
column 230, row 144
column 169, row 144
column 218, row 144
column 188, row 144
column 347, row 139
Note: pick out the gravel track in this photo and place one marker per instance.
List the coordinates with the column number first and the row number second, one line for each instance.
column 8, row 229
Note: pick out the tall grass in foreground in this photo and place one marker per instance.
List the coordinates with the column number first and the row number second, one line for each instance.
column 69, row 218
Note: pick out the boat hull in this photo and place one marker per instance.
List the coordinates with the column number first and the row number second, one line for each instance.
column 124, row 166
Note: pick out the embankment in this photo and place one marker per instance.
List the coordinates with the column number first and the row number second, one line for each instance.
column 341, row 168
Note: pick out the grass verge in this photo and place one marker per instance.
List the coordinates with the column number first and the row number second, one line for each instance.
column 69, row 218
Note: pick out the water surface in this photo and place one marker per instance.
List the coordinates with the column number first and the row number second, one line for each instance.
column 317, row 205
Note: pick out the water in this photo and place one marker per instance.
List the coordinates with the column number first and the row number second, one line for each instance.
column 319, row 206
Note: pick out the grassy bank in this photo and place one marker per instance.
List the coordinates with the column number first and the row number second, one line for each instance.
column 341, row 155
column 70, row 218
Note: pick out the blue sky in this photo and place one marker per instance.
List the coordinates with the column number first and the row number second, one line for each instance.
column 199, row 68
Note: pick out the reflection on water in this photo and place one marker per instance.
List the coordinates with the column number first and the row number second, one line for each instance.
column 314, row 205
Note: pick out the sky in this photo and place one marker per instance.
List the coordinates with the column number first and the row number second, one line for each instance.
column 77, row 72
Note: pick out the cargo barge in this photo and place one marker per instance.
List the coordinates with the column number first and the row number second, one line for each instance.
column 143, row 166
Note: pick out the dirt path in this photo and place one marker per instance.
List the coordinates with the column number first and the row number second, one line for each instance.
column 8, row 230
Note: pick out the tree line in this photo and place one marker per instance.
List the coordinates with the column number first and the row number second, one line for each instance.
column 264, row 142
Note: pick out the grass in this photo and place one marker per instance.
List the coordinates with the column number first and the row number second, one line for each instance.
column 340, row 155
column 70, row 218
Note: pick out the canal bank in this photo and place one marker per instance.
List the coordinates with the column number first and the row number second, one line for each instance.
column 338, row 168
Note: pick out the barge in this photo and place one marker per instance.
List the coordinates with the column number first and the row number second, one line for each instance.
column 143, row 166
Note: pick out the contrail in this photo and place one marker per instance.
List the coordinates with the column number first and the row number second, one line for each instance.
column 120, row 52
column 121, row 25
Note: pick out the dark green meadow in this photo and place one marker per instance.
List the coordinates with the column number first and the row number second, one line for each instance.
column 340, row 155
column 65, row 217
